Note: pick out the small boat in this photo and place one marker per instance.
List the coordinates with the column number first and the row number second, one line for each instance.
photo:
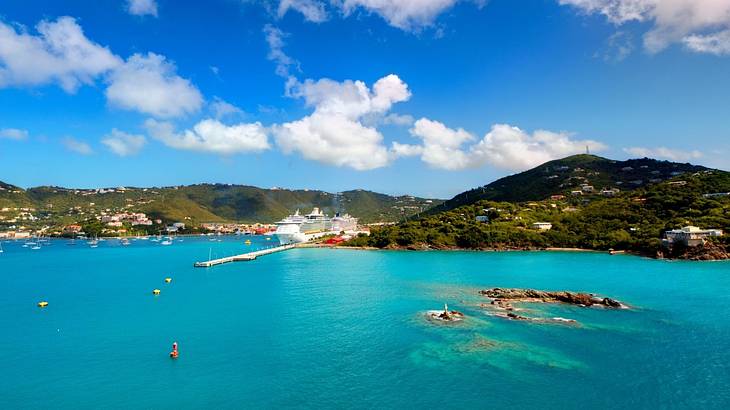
column 166, row 242
column 1, row 247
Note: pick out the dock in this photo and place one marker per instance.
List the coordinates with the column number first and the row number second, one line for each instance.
column 249, row 256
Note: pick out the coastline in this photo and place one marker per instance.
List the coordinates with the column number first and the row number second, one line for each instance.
column 549, row 249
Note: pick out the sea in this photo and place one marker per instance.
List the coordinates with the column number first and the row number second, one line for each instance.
column 338, row 328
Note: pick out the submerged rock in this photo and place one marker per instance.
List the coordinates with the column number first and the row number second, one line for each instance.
column 501, row 297
column 445, row 315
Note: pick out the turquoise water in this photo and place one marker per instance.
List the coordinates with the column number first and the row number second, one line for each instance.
column 322, row 328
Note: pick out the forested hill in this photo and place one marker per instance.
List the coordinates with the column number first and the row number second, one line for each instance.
column 209, row 202
column 565, row 175
column 630, row 220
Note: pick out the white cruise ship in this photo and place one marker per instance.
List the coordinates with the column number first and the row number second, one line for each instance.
column 297, row 228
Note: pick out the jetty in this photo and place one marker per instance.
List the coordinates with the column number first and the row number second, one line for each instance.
column 249, row 256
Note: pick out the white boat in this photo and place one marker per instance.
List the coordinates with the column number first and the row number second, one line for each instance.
column 297, row 228
column 1, row 247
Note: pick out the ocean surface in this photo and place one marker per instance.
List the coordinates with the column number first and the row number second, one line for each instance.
column 331, row 328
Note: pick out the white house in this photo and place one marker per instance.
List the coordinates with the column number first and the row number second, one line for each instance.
column 543, row 226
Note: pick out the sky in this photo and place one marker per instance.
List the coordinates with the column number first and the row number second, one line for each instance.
column 423, row 97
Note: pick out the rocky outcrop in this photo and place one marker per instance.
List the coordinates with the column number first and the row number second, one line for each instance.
column 709, row 251
column 504, row 297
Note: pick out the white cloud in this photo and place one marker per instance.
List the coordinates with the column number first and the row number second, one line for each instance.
column 404, row 14
column 123, row 144
column 77, row 146
column 408, row 15
column 505, row 147
column 149, row 84
column 142, row 7
column 509, row 147
column 716, row 43
column 673, row 20
column 13, row 134
column 442, row 145
column 334, row 133
column 212, row 136
column 59, row 53
column 406, row 150
column 312, row 10
column 664, row 153
column 275, row 40
column 398, row 119
column 222, row 109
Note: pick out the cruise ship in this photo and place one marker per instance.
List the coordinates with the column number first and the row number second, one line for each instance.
column 302, row 228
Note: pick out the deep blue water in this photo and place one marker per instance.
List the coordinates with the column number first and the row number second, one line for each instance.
column 323, row 328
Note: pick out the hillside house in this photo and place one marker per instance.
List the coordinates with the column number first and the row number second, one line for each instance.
column 542, row 226
column 690, row 235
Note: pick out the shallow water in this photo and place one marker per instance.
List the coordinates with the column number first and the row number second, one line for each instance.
column 315, row 328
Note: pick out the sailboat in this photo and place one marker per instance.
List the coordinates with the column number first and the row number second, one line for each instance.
column 36, row 244
column 1, row 247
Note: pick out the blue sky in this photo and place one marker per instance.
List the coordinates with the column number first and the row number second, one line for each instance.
column 427, row 97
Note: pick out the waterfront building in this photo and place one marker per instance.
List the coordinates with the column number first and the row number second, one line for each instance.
column 690, row 236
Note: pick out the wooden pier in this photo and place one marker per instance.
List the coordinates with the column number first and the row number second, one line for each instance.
column 243, row 257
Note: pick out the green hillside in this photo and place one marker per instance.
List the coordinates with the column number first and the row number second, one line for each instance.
column 202, row 203
column 564, row 175
column 631, row 220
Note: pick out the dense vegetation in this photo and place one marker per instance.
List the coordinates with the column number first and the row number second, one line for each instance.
column 633, row 220
column 563, row 175
column 208, row 203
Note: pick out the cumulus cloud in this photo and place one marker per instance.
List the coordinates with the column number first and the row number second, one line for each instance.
column 404, row 14
column 275, row 40
column 212, row 136
column 60, row 53
column 673, row 20
column 504, row 146
column 13, row 134
column 442, row 145
column 509, row 147
column 664, row 152
column 334, row 133
column 408, row 15
column 77, row 146
column 142, row 7
column 149, row 84
column 123, row 144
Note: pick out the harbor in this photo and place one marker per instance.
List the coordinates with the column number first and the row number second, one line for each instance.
column 248, row 256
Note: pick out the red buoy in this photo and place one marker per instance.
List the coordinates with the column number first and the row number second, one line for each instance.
column 173, row 353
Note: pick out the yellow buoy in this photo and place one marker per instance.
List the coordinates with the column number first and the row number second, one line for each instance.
column 156, row 292
column 168, row 280
column 247, row 242
column 268, row 238
column 42, row 304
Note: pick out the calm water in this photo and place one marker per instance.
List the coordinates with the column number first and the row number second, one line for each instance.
column 316, row 328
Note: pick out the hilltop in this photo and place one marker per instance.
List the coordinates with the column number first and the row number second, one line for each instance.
column 631, row 220
column 202, row 203
column 560, row 177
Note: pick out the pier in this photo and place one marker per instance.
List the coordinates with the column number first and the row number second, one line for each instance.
column 249, row 256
